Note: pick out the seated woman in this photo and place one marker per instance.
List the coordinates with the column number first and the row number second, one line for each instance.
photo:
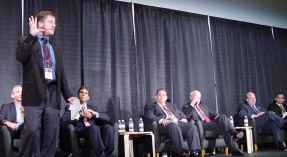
column 92, row 125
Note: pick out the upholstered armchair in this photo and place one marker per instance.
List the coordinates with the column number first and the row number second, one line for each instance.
column 80, row 147
column 209, row 139
column 162, row 143
column 8, row 147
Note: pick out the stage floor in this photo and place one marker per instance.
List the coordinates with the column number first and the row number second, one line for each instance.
column 262, row 153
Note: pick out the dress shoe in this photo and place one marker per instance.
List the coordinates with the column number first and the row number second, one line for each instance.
column 237, row 152
column 194, row 154
column 184, row 155
column 238, row 136
column 282, row 147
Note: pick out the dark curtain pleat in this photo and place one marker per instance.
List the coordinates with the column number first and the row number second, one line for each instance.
column 280, row 73
column 173, row 51
column 10, row 30
column 245, row 60
column 67, row 35
column 109, row 59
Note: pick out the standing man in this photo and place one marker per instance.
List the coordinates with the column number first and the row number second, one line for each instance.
column 92, row 125
column 12, row 115
column 264, row 119
column 214, row 122
column 43, row 82
column 173, row 124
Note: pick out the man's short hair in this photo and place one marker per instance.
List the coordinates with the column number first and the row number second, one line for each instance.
column 43, row 14
column 84, row 87
column 279, row 93
column 15, row 87
column 160, row 89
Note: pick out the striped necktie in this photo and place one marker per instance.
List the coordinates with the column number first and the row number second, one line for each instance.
column 47, row 56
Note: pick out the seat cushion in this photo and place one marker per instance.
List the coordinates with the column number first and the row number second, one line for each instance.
column 210, row 134
column 16, row 143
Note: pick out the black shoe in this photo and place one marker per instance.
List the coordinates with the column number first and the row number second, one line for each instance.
column 194, row 154
column 184, row 155
column 282, row 147
column 238, row 136
column 237, row 152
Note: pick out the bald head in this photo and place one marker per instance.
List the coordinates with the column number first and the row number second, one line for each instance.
column 195, row 97
column 250, row 98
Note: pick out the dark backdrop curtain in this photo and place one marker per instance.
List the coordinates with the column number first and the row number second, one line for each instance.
column 67, row 35
column 173, row 51
column 280, row 73
column 10, row 30
column 245, row 60
column 109, row 58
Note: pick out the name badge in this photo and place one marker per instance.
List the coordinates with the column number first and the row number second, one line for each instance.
column 48, row 73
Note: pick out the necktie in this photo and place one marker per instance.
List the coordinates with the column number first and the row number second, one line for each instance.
column 255, row 109
column 86, row 122
column 202, row 114
column 22, row 111
column 282, row 108
column 47, row 57
column 171, row 116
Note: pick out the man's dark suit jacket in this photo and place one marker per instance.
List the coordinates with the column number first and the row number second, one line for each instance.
column 8, row 113
column 192, row 114
column 29, row 53
column 275, row 108
column 79, row 124
column 246, row 110
column 153, row 112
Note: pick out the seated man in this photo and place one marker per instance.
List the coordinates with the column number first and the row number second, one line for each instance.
column 12, row 114
column 278, row 106
column 92, row 125
column 173, row 124
column 264, row 119
column 211, row 121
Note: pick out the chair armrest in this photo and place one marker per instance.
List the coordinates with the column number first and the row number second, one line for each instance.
column 5, row 141
column 198, row 123
column 255, row 130
column 73, row 139
column 116, row 139
column 153, row 127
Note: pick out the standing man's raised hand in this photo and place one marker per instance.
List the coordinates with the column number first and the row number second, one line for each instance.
column 34, row 30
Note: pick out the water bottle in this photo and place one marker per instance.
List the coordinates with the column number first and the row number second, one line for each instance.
column 120, row 126
column 141, row 125
column 245, row 121
column 164, row 154
column 123, row 126
column 231, row 121
column 131, row 125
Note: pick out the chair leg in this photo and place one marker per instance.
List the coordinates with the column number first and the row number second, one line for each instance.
column 202, row 152
column 157, row 154
column 255, row 147
column 213, row 151
column 242, row 147
column 148, row 154
column 226, row 150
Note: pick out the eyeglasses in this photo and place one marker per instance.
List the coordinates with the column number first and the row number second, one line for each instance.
column 51, row 22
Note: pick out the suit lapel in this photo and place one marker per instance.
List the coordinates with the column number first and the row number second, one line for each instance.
column 12, row 110
column 38, row 55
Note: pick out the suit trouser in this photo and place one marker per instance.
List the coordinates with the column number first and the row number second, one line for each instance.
column 269, row 120
column 176, row 133
column 40, row 134
column 101, row 138
column 222, row 126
